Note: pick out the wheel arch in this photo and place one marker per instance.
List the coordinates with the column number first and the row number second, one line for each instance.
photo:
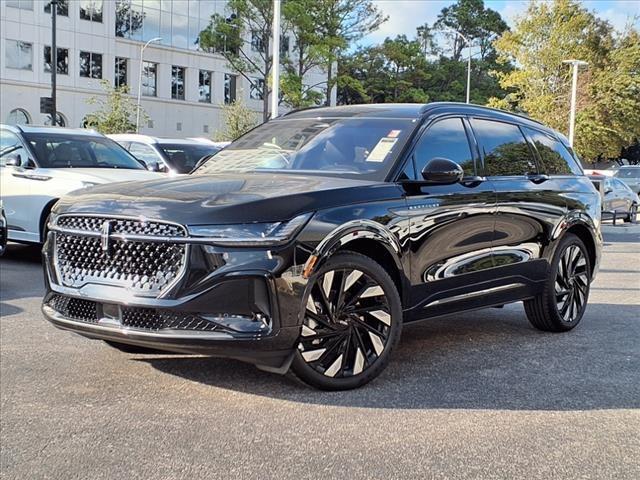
column 368, row 238
column 43, row 217
column 585, row 230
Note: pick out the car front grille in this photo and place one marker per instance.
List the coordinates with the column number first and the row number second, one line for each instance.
column 128, row 253
column 135, row 318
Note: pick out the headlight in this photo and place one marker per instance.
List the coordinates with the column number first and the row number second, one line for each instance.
column 251, row 234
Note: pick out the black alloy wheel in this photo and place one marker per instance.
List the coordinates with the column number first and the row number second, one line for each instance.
column 561, row 305
column 352, row 321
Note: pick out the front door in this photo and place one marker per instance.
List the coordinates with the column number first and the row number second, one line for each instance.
column 451, row 226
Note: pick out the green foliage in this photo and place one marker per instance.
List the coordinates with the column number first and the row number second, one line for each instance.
column 116, row 111
column 609, row 92
column 238, row 119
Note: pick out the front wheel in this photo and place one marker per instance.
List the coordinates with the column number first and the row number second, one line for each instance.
column 352, row 321
column 632, row 214
column 562, row 303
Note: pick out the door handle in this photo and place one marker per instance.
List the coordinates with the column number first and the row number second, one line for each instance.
column 32, row 176
column 472, row 180
column 538, row 178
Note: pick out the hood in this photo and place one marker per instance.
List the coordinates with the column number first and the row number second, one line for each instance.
column 231, row 198
column 100, row 175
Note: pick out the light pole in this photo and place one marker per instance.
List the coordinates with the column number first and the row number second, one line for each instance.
column 574, row 90
column 469, row 61
column 275, row 69
column 157, row 39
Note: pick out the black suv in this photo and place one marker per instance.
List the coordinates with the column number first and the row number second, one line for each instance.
column 307, row 243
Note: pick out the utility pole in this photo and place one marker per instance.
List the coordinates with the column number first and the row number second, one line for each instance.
column 574, row 90
column 54, row 63
column 275, row 68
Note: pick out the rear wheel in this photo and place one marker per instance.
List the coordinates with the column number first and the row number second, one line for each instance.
column 352, row 322
column 632, row 214
column 564, row 299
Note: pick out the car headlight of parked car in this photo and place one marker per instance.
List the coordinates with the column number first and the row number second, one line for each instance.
column 251, row 234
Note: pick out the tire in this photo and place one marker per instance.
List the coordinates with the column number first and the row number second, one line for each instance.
column 352, row 323
column 127, row 348
column 562, row 303
column 632, row 214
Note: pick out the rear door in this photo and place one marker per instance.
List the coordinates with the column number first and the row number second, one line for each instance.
column 451, row 226
column 530, row 205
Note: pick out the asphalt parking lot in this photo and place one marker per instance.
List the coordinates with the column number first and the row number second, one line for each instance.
column 481, row 395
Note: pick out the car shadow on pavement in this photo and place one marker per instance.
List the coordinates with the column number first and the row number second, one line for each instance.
column 491, row 359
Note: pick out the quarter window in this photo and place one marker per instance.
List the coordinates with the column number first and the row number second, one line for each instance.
column 556, row 159
column 505, row 150
column 444, row 139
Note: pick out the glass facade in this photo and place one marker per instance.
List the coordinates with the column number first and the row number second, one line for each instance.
column 177, row 82
column 177, row 22
column 62, row 59
column 204, row 86
column 120, row 73
column 19, row 55
column 149, row 79
column 90, row 65
column 63, row 8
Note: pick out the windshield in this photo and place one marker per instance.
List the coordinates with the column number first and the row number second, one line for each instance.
column 68, row 150
column 628, row 173
column 363, row 148
column 183, row 157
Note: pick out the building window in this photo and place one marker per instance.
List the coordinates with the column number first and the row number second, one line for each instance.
column 18, row 116
column 205, row 129
column 60, row 119
column 62, row 59
column 91, row 10
column 149, row 79
column 257, row 45
column 63, row 8
column 256, row 91
column 120, row 78
column 129, row 20
column 229, row 88
column 19, row 55
column 179, row 126
column 177, row 83
column 90, row 65
column 21, row 4
column 204, row 86
column 284, row 45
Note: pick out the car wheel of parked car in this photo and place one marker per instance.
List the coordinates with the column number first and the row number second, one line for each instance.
column 632, row 215
column 352, row 322
column 562, row 303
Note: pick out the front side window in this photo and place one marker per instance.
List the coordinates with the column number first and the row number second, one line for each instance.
column 505, row 150
column 364, row 148
column 90, row 65
column 62, row 60
column 19, row 55
column 627, row 173
column 177, row 83
column 91, row 10
column 229, row 88
column 63, row 8
column 183, row 157
column 120, row 77
column 143, row 152
column 555, row 158
column 256, row 91
column 444, row 139
column 11, row 148
column 149, row 79
column 204, row 86
column 55, row 150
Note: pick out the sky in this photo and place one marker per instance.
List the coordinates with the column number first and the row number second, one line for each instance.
column 406, row 15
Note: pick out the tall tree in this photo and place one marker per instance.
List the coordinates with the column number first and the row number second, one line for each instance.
column 229, row 36
column 116, row 111
column 608, row 101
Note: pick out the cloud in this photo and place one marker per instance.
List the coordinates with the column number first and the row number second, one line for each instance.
column 619, row 13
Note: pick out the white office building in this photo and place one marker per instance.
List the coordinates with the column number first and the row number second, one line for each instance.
column 183, row 87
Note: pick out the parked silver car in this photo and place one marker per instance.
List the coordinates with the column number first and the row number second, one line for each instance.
column 629, row 174
column 38, row 165
column 617, row 197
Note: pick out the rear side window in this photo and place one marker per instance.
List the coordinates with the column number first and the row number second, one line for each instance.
column 506, row 151
column 445, row 139
column 556, row 159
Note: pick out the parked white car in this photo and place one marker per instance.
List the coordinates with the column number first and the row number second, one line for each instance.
column 38, row 165
column 172, row 155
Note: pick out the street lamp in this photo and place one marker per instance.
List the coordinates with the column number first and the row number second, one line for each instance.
column 157, row 39
column 574, row 89
column 275, row 72
column 469, row 63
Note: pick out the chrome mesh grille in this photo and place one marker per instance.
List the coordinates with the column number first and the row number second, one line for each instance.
column 146, row 267
column 75, row 308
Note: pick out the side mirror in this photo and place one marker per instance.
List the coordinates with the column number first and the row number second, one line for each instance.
column 153, row 167
column 442, row 171
column 13, row 160
column 608, row 190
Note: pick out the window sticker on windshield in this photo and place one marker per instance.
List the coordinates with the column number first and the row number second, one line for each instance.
column 393, row 134
column 382, row 149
